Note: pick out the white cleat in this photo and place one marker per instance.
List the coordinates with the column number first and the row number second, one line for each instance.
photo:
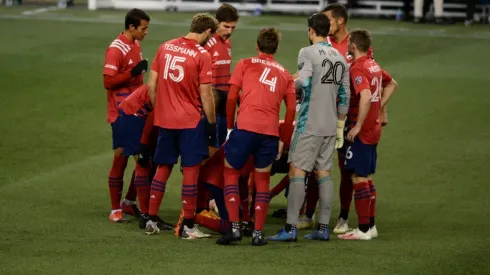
column 341, row 227
column 193, row 233
column 355, row 234
column 305, row 222
column 373, row 232
column 151, row 228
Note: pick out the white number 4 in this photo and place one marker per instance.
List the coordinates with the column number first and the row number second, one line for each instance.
column 272, row 82
column 171, row 63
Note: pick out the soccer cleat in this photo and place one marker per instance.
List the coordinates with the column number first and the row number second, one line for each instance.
column 305, row 222
column 151, row 228
column 355, row 234
column 373, row 232
column 130, row 209
column 318, row 235
column 143, row 219
column 284, row 236
column 231, row 237
column 258, row 240
column 247, row 229
column 161, row 224
column 179, row 228
column 209, row 214
column 341, row 227
column 193, row 233
column 116, row 216
column 280, row 214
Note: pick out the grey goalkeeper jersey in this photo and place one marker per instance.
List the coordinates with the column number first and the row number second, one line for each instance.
column 323, row 77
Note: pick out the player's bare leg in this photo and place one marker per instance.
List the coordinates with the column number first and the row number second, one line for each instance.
column 116, row 180
column 362, row 199
column 325, row 191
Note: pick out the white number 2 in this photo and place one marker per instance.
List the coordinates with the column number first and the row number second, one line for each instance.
column 272, row 82
column 377, row 84
column 171, row 63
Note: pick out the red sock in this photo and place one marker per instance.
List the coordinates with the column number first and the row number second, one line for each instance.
column 231, row 192
column 116, row 181
column 189, row 190
column 372, row 191
column 345, row 190
column 142, row 187
column 312, row 196
column 158, row 186
column 262, row 180
column 131, row 194
column 243, row 187
column 280, row 186
column 362, row 200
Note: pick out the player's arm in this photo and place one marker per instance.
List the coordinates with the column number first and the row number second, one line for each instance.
column 152, row 86
column 361, row 88
column 235, row 86
column 146, row 152
column 205, row 88
column 135, row 101
column 290, row 101
column 343, row 107
column 305, row 70
column 389, row 86
column 112, row 64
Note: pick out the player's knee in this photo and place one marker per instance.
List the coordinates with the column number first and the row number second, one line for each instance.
column 295, row 172
column 118, row 152
column 356, row 178
column 264, row 170
column 322, row 173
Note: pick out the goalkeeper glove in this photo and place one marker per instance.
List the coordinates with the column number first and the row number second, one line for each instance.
column 140, row 68
column 339, row 142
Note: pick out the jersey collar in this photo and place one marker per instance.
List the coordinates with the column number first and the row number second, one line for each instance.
column 124, row 39
column 361, row 59
column 266, row 56
column 189, row 39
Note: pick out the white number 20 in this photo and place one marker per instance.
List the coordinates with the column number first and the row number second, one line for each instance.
column 171, row 63
column 376, row 82
column 270, row 82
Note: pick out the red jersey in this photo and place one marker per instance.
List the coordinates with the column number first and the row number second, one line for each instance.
column 138, row 103
column 120, row 57
column 366, row 74
column 220, row 51
column 264, row 84
column 213, row 171
column 182, row 66
column 342, row 48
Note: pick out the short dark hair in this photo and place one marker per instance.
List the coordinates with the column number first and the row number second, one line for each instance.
column 320, row 24
column 134, row 17
column 227, row 13
column 268, row 40
column 338, row 11
column 361, row 38
column 203, row 21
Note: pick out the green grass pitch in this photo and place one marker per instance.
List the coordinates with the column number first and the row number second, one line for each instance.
column 55, row 150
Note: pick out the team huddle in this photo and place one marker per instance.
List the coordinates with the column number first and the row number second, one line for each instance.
column 188, row 109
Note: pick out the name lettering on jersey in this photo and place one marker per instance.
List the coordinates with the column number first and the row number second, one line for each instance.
column 223, row 62
column 322, row 52
column 374, row 69
column 268, row 63
column 179, row 49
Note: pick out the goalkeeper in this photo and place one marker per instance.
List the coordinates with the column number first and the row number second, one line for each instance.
column 323, row 75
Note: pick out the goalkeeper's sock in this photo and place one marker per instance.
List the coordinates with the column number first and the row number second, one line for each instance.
column 362, row 200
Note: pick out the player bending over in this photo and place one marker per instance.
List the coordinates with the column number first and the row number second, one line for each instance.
column 123, row 73
column 323, row 76
column 264, row 84
column 180, row 89
column 364, row 129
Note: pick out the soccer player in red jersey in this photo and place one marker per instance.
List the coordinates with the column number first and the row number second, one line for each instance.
column 219, row 46
column 180, row 90
column 123, row 73
column 264, row 84
column 364, row 128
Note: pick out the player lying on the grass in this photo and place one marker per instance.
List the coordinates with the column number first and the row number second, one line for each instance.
column 123, row 73
column 145, row 168
column 323, row 76
column 219, row 46
column 364, row 130
column 180, row 90
column 264, row 84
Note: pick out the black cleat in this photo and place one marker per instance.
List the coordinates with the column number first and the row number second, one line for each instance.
column 280, row 213
column 161, row 224
column 143, row 219
column 247, row 229
column 258, row 240
column 230, row 237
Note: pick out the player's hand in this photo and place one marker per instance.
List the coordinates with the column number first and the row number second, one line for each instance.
column 353, row 133
column 339, row 141
column 211, row 134
column 140, row 68
column 145, row 155
column 228, row 133
column 383, row 118
column 279, row 150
